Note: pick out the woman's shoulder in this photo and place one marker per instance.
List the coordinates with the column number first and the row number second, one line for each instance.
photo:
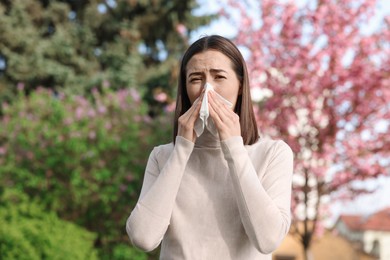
column 162, row 149
column 267, row 144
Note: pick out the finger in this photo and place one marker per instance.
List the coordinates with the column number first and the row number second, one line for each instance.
column 219, row 107
column 196, row 110
column 193, row 112
column 215, row 116
column 227, row 122
column 194, row 105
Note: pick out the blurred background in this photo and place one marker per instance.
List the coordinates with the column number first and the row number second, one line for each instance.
column 87, row 88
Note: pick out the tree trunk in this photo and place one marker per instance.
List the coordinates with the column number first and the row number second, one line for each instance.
column 307, row 231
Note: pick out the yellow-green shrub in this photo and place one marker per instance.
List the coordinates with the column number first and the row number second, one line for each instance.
column 28, row 232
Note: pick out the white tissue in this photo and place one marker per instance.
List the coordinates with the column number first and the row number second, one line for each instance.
column 204, row 119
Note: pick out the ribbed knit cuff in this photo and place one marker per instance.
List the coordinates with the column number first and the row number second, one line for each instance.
column 184, row 145
column 232, row 145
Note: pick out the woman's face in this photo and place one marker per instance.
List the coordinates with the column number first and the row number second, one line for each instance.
column 215, row 68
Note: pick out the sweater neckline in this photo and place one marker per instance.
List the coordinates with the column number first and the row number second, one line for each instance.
column 207, row 140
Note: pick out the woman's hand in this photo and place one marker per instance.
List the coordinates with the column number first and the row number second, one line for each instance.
column 186, row 122
column 226, row 121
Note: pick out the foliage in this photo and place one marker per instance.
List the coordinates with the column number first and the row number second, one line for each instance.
column 82, row 158
column 28, row 232
column 78, row 45
column 43, row 47
column 124, row 252
column 80, row 148
column 324, row 80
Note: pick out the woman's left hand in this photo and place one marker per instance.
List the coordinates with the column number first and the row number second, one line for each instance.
column 226, row 121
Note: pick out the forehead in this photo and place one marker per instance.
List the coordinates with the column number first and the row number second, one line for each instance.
column 207, row 60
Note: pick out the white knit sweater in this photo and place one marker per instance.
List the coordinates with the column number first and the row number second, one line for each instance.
column 214, row 200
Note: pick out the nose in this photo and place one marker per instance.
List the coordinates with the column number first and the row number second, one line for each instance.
column 208, row 78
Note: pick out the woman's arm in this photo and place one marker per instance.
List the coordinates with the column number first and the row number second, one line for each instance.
column 264, row 205
column 150, row 218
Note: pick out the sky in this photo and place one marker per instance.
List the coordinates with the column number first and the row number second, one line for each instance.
column 224, row 28
column 362, row 205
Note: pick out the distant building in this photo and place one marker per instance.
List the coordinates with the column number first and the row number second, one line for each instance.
column 372, row 232
column 353, row 237
column 328, row 246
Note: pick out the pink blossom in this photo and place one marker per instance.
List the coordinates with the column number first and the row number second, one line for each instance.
column 68, row 121
column 92, row 135
column 79, row 113
column 30, row 155
column 95, row 92
column 108, row 125
column 137, row 118
column 91, row 113
column 102, row 109
column 181, row 29
column 3, row 150
column 20, row 86
column 122, row 188
column 106, row 84
column 60, row 96
column 129, row 177
column 5, row 105
column 135, row 95
column 146, row 119
column 161, row 97
column 170, row 107
column 82, row 102
column 75, row 134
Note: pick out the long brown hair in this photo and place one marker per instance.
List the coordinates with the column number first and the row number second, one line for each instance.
column 243, row 108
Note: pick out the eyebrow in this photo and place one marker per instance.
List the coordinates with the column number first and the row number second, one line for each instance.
column 218, row 70
column 196, row 73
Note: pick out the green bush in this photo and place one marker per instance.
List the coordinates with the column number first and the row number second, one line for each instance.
column 28, row 232
column 82, row 158
column 125, row 252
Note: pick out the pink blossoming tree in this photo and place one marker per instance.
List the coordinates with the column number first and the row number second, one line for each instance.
column 321, row 82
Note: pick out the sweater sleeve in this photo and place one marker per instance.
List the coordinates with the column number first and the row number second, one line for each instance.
column 150, row 218
column 264, row 205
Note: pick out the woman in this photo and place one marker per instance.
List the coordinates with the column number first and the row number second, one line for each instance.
column 223, row 196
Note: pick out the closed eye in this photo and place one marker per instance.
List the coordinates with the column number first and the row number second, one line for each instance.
column 195, row 79
column 220, row 77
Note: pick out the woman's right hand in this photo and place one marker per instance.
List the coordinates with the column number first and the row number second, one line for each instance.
column 186, row 122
